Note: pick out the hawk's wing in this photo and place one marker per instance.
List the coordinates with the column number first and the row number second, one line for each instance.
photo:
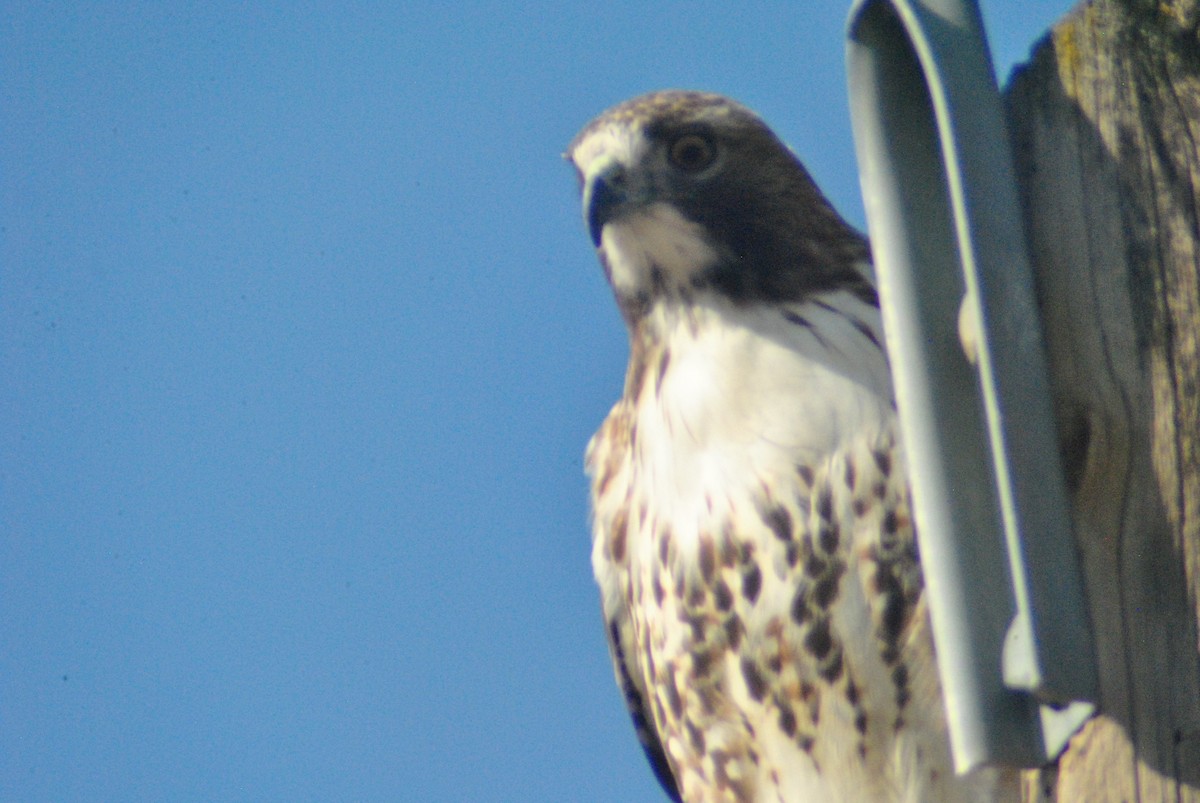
column 621, row 643
column 608, row 462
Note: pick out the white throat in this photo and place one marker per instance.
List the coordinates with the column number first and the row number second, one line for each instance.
column 656, row 238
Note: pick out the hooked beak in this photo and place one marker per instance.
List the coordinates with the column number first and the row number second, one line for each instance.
column 605, row 196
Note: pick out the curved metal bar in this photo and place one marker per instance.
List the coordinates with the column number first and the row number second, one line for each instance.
column 1006, row 599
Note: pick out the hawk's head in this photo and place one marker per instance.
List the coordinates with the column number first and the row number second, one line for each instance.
column 688, row 191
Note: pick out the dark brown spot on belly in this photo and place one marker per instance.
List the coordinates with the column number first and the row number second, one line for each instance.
column 826, row 590
column 722, row 596
column 746, row 553
column 733, row 632
column 702, row 661
column 751, row 583
column 787, row 720
column 831, row 668
column 616, row 541
column 800, row 611
column 755, row 684
column 827, row 538
column 825, row 504
column 819, row 641
column 884, row 462
column 708, row 558
column 779, row 521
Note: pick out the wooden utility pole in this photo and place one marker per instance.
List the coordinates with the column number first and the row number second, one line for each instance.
column 1105, row 126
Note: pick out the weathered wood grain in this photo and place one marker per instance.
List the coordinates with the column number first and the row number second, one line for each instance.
column 1105, row 125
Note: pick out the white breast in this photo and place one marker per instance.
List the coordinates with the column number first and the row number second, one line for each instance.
column 747, row 394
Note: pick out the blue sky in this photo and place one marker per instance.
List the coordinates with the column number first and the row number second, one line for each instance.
column 302, row 339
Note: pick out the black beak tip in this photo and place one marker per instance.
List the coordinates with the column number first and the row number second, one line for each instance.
column 602, row 200
column 595, row 228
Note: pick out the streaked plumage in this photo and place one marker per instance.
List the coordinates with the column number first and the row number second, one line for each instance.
column 752, row 540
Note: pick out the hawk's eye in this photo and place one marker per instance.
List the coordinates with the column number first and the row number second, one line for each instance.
column 692, row 153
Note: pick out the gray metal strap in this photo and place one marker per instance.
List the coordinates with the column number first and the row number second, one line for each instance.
column 1009, row 615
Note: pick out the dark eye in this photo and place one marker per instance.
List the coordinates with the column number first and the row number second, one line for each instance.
column 692, row 153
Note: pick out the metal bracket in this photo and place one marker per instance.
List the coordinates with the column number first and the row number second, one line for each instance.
column 1009, row 616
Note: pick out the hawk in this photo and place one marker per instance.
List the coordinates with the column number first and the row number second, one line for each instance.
column 751, row 531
